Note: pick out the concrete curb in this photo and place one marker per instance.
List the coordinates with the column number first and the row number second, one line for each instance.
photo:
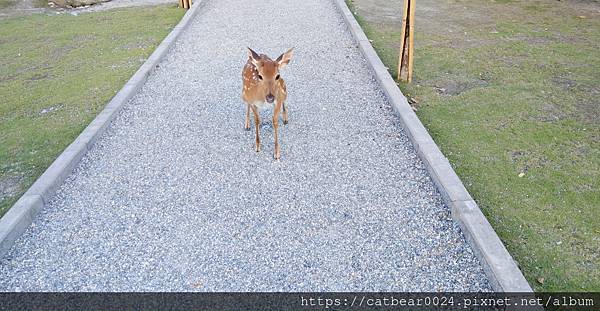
column 498, row 264
column 18, row 218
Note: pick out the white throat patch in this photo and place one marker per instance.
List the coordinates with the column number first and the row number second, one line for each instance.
column 264, row 105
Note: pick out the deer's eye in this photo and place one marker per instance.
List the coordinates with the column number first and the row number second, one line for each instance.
column 259, row 77
column 277, row 78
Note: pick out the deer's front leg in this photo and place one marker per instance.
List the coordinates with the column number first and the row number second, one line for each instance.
column 257, row 126
column 275, row 129
column 247, row 122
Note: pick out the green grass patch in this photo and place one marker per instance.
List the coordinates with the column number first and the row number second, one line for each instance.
column 57, row 73
column 518, row 94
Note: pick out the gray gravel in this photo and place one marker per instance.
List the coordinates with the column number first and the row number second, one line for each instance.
column 174, row 198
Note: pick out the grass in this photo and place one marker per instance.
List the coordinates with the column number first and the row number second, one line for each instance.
column 518, row 94
column 56, row 73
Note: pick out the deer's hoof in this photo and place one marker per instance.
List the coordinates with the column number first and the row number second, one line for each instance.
column 246, row 128
column 285, row 121
column 277, row 154
column 257, row 148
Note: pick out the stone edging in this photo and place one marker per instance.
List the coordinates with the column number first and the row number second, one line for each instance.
column 18, row 218
column 498, row 264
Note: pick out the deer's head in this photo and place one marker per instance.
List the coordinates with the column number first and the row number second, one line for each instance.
column 268, row 71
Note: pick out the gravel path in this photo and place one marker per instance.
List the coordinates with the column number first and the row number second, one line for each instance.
column 174, row 198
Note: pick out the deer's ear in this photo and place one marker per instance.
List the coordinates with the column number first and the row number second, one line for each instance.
column 253, row 56
column 285, row 58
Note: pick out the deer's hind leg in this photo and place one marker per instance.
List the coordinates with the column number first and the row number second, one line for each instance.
column 285, row 114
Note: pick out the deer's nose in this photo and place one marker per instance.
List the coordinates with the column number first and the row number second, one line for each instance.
column 270, row 98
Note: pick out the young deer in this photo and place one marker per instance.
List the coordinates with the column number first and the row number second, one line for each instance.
column 262, row 86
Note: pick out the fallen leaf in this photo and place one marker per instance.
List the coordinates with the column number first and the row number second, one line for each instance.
column 540, row 280
column 521, row 174
column 412, row 100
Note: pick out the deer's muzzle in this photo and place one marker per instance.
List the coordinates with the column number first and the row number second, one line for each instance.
column 270, row 98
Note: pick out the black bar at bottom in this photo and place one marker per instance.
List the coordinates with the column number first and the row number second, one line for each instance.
column 299, row 301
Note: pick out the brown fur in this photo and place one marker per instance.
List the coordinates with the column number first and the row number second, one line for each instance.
column 262, row 81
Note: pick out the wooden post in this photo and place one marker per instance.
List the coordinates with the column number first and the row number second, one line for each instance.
column 411, row 36
column 186, row 4
column 402, row 39
column 405, row 58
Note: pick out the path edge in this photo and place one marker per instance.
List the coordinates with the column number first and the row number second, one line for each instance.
column 20, row 216
column 498, row 264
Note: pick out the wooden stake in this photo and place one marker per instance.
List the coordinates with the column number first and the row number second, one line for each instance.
column 402, row 38
column 181, row 3
column 405, row 57
column 411, row 36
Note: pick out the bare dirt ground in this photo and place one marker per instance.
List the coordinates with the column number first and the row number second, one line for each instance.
column 10, row 8
column 121, row 4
